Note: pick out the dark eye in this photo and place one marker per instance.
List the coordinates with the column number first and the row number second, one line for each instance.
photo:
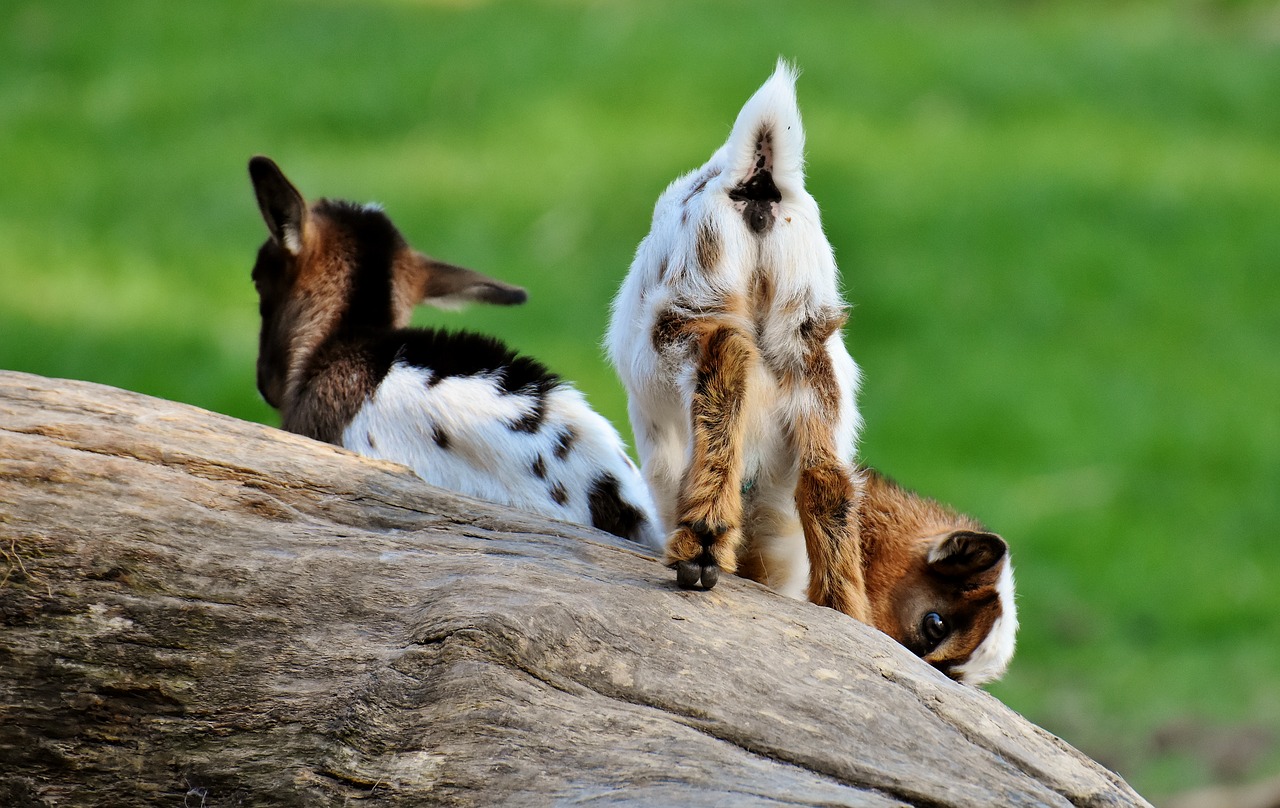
column 934, row 628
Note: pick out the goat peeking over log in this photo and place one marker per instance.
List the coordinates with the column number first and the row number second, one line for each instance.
column 337, row 284
column 727, row 336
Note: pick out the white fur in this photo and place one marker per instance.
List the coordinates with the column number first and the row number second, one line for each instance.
column 487, row 459
column 798, row 259
column 990, row 659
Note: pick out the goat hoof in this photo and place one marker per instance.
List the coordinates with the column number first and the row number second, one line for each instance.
column 710, row 575
column 687, row 574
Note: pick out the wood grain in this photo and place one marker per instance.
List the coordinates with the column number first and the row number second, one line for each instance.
column 200, row 611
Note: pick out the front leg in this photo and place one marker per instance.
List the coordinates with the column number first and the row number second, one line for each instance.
column 709, row 507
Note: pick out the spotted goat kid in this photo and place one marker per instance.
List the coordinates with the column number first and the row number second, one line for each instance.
column 337, row 284
column 727, row 336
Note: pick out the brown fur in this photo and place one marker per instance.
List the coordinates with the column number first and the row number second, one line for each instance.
column 899, row 528
column 709, row 507
column 826, row 498
column 827, row 490
column 305, row 274
column 669, row 329
column 707, row 247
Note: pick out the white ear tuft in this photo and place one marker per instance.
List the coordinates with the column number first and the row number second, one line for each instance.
column 282, row 206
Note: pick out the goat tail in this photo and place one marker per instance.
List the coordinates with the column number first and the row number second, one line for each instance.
column 768, row 135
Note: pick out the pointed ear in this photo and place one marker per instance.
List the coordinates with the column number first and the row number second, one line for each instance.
column 283, row 208
column 966, row 553
column 450, row 287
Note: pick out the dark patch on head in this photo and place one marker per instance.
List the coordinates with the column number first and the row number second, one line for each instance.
column 971, row 619
column 558, row 495
column 440, row 436
column 564, row 443
column 370, row 243
column 539, row 467
column 610, row 512
column 707, row 246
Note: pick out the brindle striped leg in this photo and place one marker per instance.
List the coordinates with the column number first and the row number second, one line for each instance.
column 827, row 499
column 709, row 508
column 828, row 489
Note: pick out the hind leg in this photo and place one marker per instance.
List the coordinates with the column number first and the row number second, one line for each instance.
column 827, row 499
column 828, row 488
column 708, row 512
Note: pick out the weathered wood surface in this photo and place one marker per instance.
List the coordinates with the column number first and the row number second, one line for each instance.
column 200, row 611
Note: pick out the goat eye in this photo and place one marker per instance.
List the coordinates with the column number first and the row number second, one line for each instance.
column 934, row 628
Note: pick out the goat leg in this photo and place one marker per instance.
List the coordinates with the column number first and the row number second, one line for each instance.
column 709, row 507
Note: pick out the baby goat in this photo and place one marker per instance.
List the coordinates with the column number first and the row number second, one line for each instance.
column 337, row 284
column 728, row 326
column 726, row 334
column 937, row 580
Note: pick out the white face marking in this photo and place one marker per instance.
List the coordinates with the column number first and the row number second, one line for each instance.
column 990, row 659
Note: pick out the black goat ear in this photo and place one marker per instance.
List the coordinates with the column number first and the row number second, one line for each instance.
column 282, row 207
column 966, row 553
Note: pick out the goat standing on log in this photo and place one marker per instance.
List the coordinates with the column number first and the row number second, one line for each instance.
column 337, row 284
column 728, row 325
column 726, row 334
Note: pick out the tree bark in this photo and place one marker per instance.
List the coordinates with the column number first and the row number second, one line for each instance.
column 200, row 611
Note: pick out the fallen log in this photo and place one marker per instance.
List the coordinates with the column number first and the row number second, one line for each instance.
column 201, row 611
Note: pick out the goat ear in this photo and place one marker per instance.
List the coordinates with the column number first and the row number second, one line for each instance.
column 966, row 553
column 450, row 287
column 282, row 207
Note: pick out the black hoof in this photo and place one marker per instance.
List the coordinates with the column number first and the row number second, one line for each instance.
column 688, row 573
column 710, row 575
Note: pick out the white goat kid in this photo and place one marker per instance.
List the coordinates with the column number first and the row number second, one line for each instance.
column 337, row 284
column 728, row 326
column 726, row 334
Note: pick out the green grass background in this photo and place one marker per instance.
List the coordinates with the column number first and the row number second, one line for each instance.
column 1059, row 224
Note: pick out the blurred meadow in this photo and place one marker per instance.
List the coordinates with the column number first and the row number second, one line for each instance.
column 1059, row 224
